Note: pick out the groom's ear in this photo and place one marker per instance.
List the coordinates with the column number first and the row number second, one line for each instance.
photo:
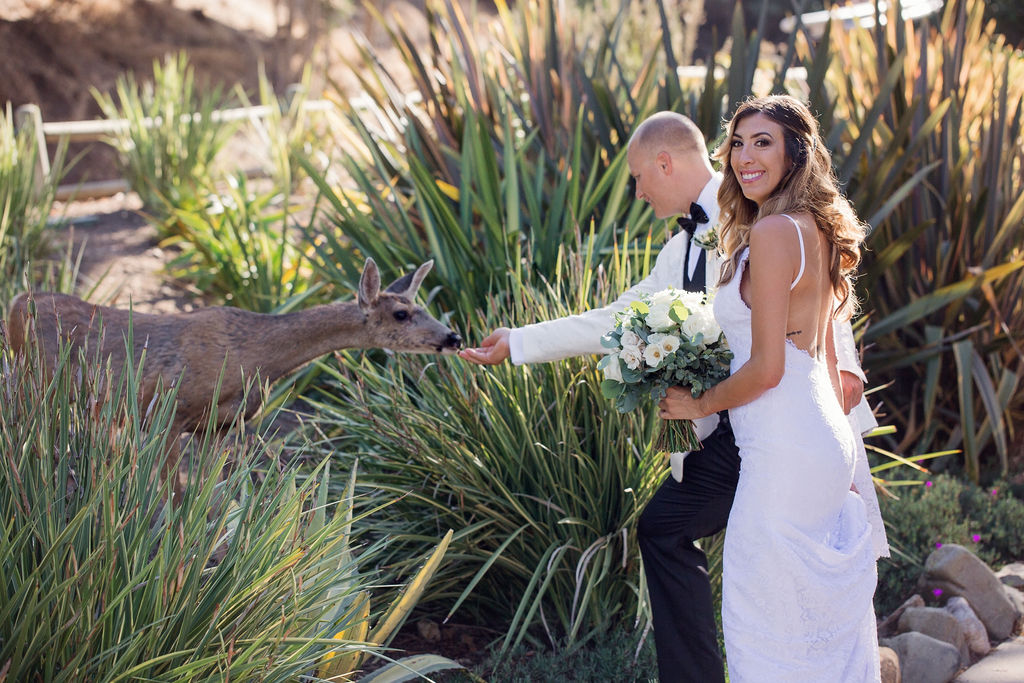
column 664, row 162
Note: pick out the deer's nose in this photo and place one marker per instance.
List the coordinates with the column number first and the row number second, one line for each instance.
column 453, row 341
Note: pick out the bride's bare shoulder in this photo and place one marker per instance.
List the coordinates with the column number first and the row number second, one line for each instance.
column 772, row 233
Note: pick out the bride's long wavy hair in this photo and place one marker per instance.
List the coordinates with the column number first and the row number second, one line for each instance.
column 810, row 186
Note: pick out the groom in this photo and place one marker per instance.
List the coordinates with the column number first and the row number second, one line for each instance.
column 669, row 162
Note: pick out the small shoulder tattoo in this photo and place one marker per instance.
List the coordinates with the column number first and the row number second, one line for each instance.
column 794, row 333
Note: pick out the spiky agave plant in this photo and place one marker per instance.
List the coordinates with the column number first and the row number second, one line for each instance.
column 933, row 159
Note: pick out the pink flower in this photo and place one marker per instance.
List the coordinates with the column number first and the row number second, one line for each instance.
column 938, row 544
column 928, row 484
column 937, row 592
column 975, row 537
column 995, row 492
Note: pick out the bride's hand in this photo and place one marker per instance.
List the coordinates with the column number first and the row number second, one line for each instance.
column 679, row 404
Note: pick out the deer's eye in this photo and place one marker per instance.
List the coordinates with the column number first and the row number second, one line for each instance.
column 401, row 315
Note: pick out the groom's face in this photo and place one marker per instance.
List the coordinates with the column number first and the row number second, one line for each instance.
column 651, row 171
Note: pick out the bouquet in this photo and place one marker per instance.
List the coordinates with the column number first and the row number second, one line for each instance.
column 664, row 339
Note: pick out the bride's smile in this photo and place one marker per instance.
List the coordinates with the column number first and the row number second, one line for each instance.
column 758, row 156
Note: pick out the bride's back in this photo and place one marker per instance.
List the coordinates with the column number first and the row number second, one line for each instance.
column 812, row 298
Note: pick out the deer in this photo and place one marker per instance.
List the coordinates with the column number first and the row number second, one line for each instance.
column 194, row 351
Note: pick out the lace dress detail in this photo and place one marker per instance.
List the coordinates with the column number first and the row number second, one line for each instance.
column 799, row 568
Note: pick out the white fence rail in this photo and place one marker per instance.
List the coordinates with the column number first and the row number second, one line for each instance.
column 29, row 115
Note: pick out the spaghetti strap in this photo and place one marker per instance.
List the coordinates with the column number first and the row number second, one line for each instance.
column 800, row 238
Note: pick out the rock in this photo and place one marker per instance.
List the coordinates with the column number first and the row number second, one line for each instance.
column 939, row 624
column 1012, row 575
column 887, row 627
column 956, row 571
column 429, row 630
column 1016, row 598
column 974, row 631
column 1003, row 665
column 890, row 664
column 924, row 659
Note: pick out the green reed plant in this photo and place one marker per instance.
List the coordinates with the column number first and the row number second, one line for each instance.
column 253, row 574
column 538, row 474
column 288, row 131
column 506, row 143
column 237, row 247
column 169, row 135
column 511, row 144
column 26, row 201
column 506, row 214
column 933, row 163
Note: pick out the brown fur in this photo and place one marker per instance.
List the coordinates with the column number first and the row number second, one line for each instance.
column 197, row 347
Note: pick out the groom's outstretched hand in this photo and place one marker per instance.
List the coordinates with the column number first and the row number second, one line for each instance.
column 492, row 350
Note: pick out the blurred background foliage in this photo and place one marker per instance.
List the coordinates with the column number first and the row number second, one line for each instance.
column 504, row 161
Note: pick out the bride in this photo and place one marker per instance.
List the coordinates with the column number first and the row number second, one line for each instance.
column 799, row 570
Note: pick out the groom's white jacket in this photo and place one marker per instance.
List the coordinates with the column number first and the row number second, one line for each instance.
column 580, row 334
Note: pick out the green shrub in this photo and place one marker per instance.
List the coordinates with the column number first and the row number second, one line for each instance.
column 932, row 151
column 538, row 474
column 170, row 136
column 253, row 575
column 942, row 510
column 26, row 201
column 237, row 248
column 616, row 656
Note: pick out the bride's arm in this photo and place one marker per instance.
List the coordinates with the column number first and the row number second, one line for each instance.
column 774, row 261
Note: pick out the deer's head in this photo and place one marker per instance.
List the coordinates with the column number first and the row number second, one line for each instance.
column 393, row 319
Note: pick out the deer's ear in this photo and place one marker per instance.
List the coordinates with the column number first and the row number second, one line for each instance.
column 369, row 285
column 407, row 285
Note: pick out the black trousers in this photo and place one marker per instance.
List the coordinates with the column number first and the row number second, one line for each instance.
column 680, row 513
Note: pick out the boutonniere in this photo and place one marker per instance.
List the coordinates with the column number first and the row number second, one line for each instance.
column 707, row 240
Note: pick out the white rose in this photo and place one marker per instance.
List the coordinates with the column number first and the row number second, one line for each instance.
column 661, row 303
column 654, row 355
column 668, row 342
column 613, row 369
column 702, row 321
column 692, row 300
column 632, row 356
column 630, row 338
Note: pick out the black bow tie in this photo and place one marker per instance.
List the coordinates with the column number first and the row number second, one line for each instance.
column 697, row 216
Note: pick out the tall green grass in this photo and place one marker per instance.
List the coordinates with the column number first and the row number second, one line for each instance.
column 540, row 477
column 239, row 246
column 288, row 131
column 26, row 201
column 254, row 574
column 169, row 138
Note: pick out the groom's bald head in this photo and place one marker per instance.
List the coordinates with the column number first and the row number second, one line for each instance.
column 669, row 132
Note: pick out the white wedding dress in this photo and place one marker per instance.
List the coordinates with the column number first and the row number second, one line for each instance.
column 799, row 568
